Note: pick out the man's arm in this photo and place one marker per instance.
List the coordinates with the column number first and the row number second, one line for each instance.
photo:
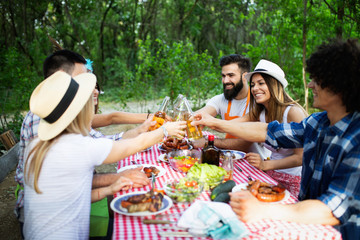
column 225, row 143
column 102, row 120
column 104, row 179
column 138, row 178
column 207, row 109
column 249, row 209
column 249, row 131
column 144, row 127
column 122, row 183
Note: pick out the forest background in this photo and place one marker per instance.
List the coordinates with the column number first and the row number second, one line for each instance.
column 144, row 50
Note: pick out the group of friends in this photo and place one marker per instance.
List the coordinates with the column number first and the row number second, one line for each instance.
column 316, row 157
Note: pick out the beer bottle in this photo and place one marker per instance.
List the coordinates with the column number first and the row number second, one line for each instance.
column 192, row 132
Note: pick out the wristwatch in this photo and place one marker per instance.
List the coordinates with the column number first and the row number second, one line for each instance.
column 165, row 131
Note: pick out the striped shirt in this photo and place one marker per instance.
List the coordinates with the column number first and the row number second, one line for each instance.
column 331, row 163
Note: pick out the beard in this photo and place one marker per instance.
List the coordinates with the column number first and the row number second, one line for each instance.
column 230, row 94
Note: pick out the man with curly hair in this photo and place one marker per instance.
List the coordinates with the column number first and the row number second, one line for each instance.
column 330, row 186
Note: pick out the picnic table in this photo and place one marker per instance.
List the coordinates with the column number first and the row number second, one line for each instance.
column 132, row 227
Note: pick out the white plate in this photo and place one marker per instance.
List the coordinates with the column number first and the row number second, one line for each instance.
column 242, row 186
column 237, row 154
column 160, row 174
column 239, row 187
column 163, row 158
column 116, row 205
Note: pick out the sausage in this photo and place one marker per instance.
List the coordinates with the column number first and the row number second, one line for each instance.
column 270, row 197
column 278, row 188
column 266, row 192
column 254, row 187
column 184, row 147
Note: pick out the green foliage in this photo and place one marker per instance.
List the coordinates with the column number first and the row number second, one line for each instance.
column 163, row 70
column 17, row 81
column 144, row 50
column 173, row 69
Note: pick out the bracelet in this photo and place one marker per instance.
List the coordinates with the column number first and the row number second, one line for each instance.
column 165, row 131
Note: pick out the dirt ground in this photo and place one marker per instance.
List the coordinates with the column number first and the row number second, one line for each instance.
column 9, row 226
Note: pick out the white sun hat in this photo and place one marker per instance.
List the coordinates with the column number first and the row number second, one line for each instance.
column 269, row 68
column 58, row 100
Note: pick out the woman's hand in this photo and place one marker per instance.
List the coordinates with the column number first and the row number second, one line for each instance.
column 255, row 160
column 176, row 129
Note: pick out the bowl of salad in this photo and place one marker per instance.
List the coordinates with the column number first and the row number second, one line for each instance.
column 183, row 160
column 184, row 190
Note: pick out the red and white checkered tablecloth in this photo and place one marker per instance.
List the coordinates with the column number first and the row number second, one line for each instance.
column 131, row 227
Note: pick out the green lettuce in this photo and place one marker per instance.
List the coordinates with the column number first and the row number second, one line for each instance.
column 210, row 175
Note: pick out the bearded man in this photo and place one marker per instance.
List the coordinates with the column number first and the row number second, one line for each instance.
column 232, row 103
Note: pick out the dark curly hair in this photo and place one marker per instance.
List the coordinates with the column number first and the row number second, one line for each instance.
column 244, row 63
column 336, row 66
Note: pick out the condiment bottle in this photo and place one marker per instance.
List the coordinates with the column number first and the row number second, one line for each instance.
column 228, row 166
column 159, row 116
column 192, row 132
column 210, row 153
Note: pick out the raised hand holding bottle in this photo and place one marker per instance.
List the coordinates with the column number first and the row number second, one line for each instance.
column 159, row 116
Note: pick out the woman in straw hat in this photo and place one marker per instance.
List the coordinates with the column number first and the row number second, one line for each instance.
column 269, row 102
column 60, row 162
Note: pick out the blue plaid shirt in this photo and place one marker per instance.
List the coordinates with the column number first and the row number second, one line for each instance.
column 331, row 163
column 29, row 130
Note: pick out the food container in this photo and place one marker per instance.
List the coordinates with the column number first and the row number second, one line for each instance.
column 183, row 190
column 183, row 160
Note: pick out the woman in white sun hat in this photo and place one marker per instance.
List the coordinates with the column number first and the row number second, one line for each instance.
column 269, row 102
column 60, row 162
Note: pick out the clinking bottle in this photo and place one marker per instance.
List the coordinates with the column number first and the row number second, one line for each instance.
column 159, row 116
column 192, row 132
column 210, row 153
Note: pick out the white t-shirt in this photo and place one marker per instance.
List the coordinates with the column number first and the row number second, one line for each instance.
column 62, row 210
column 282, row 152
column 220, row 103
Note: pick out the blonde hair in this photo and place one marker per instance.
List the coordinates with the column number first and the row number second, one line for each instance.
column 80, row 125
column 278, row 101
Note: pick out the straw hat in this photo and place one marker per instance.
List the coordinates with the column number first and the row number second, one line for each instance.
column 269, row 68
column 58, row 100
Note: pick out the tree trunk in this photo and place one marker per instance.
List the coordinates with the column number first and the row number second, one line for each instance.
column 102, row 41
column 340, row 18
column 304, row 31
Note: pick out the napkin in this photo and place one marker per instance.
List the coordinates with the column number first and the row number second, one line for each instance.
column 215, row 219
